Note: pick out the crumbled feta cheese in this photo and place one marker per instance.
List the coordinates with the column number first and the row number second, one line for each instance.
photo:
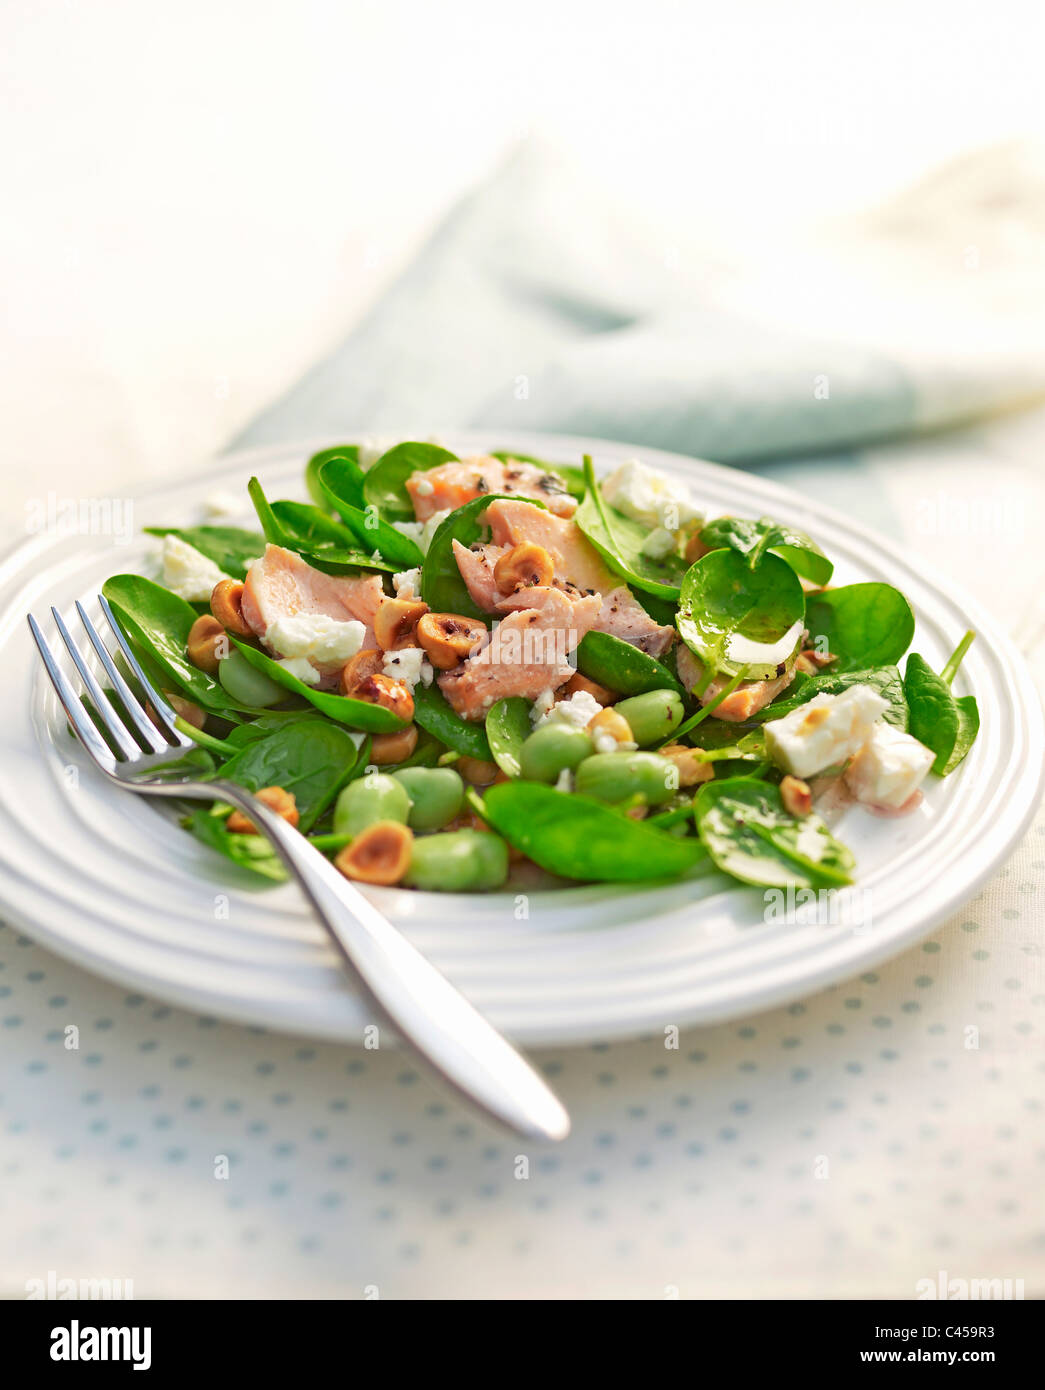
column 301, row 667
column 408, row 664
column 421, row 532
column 605, row 743
column 659, row 544
column 371, row 450
column 649, row 496
column 826, row 731
column 186, row 572
column 564, row 781
column 424, row 487
column 889, row 768
column 406, row 582
column 316, row 637
column 579, row 710
column 542, row 705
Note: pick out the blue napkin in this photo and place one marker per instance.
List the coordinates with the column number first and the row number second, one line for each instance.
column 536, row 306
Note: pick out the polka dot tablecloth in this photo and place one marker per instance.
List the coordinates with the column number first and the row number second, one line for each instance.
column 851, row 1145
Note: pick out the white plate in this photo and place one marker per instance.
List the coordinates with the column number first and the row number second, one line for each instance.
column 105, row 879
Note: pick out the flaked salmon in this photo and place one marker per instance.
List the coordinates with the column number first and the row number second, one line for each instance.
column 623, row 616
column 526, row 654
column 744, row 702
column 282, row 585
column 575, row 559
column 451, row 485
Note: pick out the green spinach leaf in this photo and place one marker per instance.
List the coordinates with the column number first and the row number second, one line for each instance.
column 723, row 598
column 884, row 681
column 442, row 587
column 251, row 852
column 755, row 538
column 619, row 540
column 313, row 759
column 507, row 729
column 228, row 546
column 337, row 482
column 862, row 625
column 384, row 485
column 933, row 718
column 357, row 714
column 158, row 622
column 751, row 836
column 579, row 838
column 348, row 473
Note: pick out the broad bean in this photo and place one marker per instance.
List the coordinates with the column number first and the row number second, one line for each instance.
column 436, row 795
column 458, row 861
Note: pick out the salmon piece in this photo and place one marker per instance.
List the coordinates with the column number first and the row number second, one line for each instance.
column 575, row 559
column 525, row 655
column 748, row 698
column 451, row 485
column 281, row 585
column 623, row 616
column 476, row 567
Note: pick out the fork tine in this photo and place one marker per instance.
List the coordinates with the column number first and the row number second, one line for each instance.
column 163, row 710
column 115, row 727
column 142, row 722
column 78, row 716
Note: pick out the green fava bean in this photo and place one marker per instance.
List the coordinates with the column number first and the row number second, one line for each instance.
column 458, row 861
column 552, row 749
column 246, row 685
column 370, row 799
column 436, row 795
column 615, row 777
column 651, row 717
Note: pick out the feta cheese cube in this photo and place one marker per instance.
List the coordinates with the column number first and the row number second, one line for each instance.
column 889, row 768
column 316, row 637
column 188, row 573
column 647, row 495
column 826, row 731
column 301, row 667
column 542, row 705
column 406, row 583
column 579, row 710
column 408, row 664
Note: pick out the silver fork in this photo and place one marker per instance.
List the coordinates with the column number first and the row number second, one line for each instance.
column 424, row 1008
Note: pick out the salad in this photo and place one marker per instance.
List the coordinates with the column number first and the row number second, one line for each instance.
column 441, row 670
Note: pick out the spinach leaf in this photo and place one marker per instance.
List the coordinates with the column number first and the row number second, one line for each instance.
column 723, row 598
column 268, row 722
column 313, row 759
column 884, row 681
column 349, row 475
column 228, row 546
column 384, row 483
column 311, row 533
column 433, row 714
column 968, row 727
column 507, row 729
column 251, row 852
column 861, row 625
column 336, row 479
column 357, row 714
column 620, row 666
column 933, row 714
column 755, row 538
column 572, row 477
column 158, row 621
column 751, row 836
column 579, row 838
column 442, row 587
column 619, row 541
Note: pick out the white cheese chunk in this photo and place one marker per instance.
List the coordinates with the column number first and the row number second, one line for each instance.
column 424, row 487
column 889, row 768
column 409, row 664
column 316, row 637
column 826, row 731
column 542, row 705
column 301, row 667
column 188, row 573
column 659, row 544
column 407, row 582
column 421, row 532
column 649, row 496
column 579, row 710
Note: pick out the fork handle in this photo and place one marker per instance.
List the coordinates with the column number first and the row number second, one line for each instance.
column 425, row 1009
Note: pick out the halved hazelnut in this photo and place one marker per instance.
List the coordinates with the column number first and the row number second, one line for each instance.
column 448, row 638
column 392, row 695
column 184, row 709
column 796, row 796
column 395, row 622
column 393, row 748
column 691, row 770
column 226, row 603
column 206, row 644
column 378, row 854
column 523, row 567
column 368, row 662
column 609, row 722
column 477, row 771
column 277, row 799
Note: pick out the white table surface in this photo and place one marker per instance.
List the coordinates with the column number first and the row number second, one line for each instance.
column 846, row 1146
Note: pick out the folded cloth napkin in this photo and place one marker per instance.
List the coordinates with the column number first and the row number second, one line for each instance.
column 539, row 306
